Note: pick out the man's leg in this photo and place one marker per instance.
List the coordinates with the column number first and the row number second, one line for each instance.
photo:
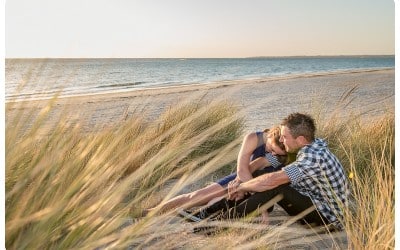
column 218, row 208
column 259, row 172
column 223, row 205
column 295, row 203
column 292, row 202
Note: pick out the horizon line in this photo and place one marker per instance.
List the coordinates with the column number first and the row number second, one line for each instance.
column 248, row 57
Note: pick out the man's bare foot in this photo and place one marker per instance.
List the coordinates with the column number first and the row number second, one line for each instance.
column 265, row 217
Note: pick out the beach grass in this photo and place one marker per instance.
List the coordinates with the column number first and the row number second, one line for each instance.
column 368, row 152
column 71, row 189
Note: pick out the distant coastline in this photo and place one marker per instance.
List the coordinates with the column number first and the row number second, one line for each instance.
column 326, row 56
column 248, row 57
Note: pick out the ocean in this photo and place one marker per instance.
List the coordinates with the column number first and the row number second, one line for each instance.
column 43, row 78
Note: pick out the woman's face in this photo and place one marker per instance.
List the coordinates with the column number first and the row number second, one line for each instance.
column 273, row 148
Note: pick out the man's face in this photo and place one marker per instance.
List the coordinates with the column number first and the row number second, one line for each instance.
column 291, row 144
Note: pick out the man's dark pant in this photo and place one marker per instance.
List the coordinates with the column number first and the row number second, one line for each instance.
column 292, row 202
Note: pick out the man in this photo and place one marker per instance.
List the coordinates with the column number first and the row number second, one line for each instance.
column 315, row 182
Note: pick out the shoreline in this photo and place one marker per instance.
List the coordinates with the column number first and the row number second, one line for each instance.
column 264, row 102
column 204, row 85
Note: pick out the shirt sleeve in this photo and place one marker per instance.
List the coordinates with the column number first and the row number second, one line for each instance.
column 273, row 160
column 293, row 173
column 305, row 166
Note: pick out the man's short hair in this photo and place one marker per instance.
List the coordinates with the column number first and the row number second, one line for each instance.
column 300, row 125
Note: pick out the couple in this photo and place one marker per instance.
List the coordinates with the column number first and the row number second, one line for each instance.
column 314, row 182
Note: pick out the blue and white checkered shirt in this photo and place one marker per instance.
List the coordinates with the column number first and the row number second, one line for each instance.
column 318, row 174
column 273, row 160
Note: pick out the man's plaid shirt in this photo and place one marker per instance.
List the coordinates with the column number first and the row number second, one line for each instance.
column 318, row 174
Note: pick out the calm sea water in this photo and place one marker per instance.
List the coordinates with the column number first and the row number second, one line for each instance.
column 43, row 78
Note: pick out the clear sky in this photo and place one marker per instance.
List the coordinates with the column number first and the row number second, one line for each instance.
column 202, row 28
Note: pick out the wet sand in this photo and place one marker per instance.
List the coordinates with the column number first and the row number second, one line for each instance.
column 264, row 102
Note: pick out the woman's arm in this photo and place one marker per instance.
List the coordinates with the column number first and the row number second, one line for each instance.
column 249, row 144
column 258, row 163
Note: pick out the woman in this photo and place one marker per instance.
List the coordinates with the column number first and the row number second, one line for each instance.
column 261, row 152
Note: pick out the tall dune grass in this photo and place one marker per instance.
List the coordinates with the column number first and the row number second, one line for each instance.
column 367, row 149
column 71, row 189
column 75, row 190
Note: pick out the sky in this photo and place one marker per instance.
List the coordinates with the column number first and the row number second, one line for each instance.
column 202, row 28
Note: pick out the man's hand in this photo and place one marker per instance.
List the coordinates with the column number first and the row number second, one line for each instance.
column 233, row 192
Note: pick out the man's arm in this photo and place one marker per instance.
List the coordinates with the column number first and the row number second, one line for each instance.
column 253, row 166
column 264, row 182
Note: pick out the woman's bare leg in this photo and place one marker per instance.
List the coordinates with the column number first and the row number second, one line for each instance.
column 196, row 198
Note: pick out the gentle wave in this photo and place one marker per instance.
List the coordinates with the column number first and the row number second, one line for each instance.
column 120, row 85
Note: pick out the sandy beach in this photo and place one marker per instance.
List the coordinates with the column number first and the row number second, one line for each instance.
column 263, row 102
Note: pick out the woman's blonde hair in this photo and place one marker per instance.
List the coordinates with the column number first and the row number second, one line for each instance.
column 275, row 133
